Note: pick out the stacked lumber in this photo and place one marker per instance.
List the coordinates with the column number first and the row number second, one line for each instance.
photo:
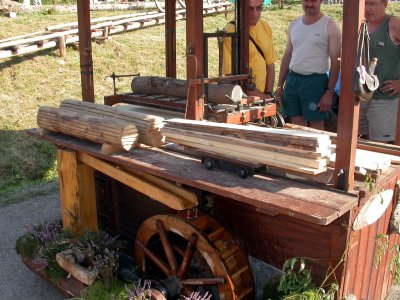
column 111, row 133
column 295, row 150
column 149, row 126
column 365, row 159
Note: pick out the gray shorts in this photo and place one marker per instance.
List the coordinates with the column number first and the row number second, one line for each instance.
column 378, row 119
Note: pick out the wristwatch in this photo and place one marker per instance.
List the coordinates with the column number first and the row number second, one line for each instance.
column 332, row 90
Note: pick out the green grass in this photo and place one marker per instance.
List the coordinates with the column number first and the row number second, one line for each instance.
column 43, row 78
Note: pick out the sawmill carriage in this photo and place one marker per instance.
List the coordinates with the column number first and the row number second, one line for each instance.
column 194, row 229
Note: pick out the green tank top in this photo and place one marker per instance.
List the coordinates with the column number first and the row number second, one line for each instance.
column 388, row 54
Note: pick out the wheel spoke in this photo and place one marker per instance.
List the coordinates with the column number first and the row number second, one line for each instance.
column 159, row 263
column 187, row 256
column 167, row 248
column 204, row 281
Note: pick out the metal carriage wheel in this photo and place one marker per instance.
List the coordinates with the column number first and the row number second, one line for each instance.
column 196, row 255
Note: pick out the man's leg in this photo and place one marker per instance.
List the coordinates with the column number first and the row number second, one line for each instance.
column 298, row 120
column 382, row 119
column 316, row 124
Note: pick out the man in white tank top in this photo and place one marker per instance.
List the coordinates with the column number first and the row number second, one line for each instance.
column 303, row 87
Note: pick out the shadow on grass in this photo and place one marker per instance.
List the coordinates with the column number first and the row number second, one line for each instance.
column 25, row 163
column 15, row 60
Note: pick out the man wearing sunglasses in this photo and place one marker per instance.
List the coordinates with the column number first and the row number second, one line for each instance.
column 261, row 51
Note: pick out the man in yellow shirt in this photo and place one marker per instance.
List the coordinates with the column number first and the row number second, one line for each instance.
column 261, row 51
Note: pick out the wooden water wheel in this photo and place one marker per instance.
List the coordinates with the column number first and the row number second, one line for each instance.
column 196, row 255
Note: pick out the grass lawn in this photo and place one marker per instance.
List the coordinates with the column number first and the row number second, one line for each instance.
column 43, row 78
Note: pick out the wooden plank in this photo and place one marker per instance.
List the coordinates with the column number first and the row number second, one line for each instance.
column 236, row 148
column 272, row 194
column 167, row 185
column 252, row 158
column 247, row 143
column 254, row 133
column 78, row 200
column 149, row 189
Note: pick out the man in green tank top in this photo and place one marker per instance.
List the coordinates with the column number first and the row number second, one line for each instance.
column 378, row 117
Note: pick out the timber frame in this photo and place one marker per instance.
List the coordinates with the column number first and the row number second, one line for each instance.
column 282, row 211
column 353, row 12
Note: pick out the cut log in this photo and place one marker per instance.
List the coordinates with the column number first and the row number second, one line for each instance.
column 154, row 85
column 98, row 129
column 224, row 93
column 148, row 126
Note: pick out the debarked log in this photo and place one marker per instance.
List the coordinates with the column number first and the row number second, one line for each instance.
column 97, row 129
column 224, row 93
column 154, row 85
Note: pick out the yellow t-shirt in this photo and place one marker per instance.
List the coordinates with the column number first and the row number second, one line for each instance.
column 262, row 34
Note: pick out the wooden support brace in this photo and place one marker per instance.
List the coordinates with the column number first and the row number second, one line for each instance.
column 77, row 191
column 148, row 188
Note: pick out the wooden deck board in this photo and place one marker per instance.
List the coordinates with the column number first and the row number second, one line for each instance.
column 271, row 195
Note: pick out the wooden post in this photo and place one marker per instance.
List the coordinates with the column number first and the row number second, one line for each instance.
column 77, row 191
column 195, row 57
column 243, row 27
column 85, row 50
column 353, row 14
column 170, row 37
column 61, row 44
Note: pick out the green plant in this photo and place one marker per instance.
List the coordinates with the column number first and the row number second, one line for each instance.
column 382, row 246
column 42, row 242
column 295, row 282
column 382, row 249
column 30, row 244
column 107, row 264
column 139, row 292
column 295, row 277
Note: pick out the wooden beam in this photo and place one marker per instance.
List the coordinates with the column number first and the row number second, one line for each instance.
column 77, row 191
column 170, row 37
column 243, row 28
column 145, row 187
column 195, row 57
column 353, row 14
column 85, row 50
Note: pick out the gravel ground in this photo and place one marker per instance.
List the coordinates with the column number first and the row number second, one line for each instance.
column 18, row 282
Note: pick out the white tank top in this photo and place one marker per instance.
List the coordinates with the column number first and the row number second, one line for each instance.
column 310, row 47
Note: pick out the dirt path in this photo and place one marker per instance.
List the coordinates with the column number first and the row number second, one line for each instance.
column 18, row 282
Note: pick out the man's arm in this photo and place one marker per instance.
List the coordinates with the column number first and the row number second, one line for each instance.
column 334, row 47
column 393, row 86
column 284, row 68
column 270, row 80
column 394, row 30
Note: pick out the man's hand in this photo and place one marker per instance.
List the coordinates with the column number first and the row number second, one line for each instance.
column 391, row 87
column 325, row 103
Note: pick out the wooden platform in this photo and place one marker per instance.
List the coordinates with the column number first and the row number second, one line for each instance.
column 270, row 195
